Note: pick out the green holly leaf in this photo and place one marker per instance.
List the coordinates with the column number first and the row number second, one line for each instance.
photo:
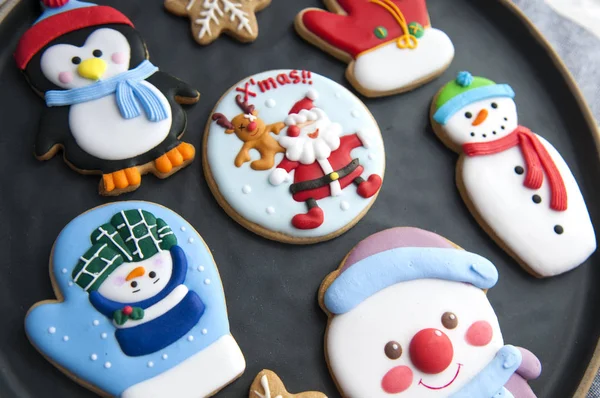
column 119, row 317
column 137, row 314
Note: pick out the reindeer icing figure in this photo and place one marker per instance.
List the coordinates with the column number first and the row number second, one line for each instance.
column 255, row 134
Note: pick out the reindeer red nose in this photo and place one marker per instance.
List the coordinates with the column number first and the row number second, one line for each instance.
column 293, row 131
column 431, row 351
column 251, row 126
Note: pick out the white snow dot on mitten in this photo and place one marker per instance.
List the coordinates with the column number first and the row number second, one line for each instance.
column 364, row 138
column 278, row 176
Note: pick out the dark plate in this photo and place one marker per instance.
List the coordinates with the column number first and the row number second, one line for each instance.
column 271, row 287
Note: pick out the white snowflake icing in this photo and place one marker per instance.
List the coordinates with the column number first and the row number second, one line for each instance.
column 270, row 210
column 246, row 189
column 96, row 322
column 150, row 364
column 344, row 205
column 107, row 365
column 51, row 330
column 207, row 281
column 93, row 357
column 270, row 103
column 65, row 338
column 190, row 338
column 165, row 356
column 104, row 335
column 200, row 268
column 204, row 331
column 191, row 240
column 213, row 10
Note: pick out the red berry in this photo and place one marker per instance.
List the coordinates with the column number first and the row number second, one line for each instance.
column 127, row 310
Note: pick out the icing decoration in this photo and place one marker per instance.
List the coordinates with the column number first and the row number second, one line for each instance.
column 430, row 318
column 325, row 161
column 515, row 183
column 127, row 88
column 537, row 160
column 96, row 94
column 211, row 17
column 141, row 331
column 268, row 385
column 389, row 44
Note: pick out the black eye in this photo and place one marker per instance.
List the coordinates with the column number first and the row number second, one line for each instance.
column 134, row 284
column 76, row 60
column 242, row 127
column 97, row 53
column 152, row 274
column 449, row 320
column 393, row 350
column 494, row 105
column 468, row 115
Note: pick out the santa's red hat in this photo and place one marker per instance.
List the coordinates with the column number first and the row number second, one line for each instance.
column 305, row 103
column 61, row 17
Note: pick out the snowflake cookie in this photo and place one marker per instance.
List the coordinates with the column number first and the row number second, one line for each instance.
column 268, row 385
column 211, row 17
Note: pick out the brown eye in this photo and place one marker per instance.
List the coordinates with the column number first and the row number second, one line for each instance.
column 449, row 320
column 393, row 350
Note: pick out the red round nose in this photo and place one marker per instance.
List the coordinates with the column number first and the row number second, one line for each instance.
column 431, row 351
column 293, row 131
column 251, row 126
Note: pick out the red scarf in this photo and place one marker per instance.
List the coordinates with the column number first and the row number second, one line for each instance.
column 537, row 160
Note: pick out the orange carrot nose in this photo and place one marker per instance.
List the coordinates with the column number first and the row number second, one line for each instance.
column 139, row 271
column 481, row 116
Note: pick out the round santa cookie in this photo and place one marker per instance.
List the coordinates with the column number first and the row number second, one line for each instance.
column 408, row 314
column 514, row 182
column 109, row 109
column 140, row 309
column 293, row 156
column 268, row 385
column 389, row 45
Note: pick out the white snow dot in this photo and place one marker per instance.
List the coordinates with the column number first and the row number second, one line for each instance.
column 270, row 210
column 191, row 240
column 70, row 283
column 150, row 364
column 370, row 156
column 65, row 338
column 104, row 335
column 204, row 331
column 64, row 270
column 438, row 333
column 51, row 330
column 107, row 365
column 93, row 357
column 190, row 338
column 355, row 113
column 201, row 268
column 344, row 205
column 183, row 229
column 270, row 103
column 165, row 356
column 207, row 281
column 96, row 322
column 246, row 189
column 338, row 94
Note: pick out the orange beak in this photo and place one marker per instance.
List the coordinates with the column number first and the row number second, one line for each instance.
column 139, row 271
column 481, row 116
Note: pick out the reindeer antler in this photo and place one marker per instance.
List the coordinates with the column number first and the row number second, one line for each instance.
column 244, row 106
column 222, row 120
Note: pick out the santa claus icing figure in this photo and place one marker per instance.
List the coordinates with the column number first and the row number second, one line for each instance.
column 321, row 160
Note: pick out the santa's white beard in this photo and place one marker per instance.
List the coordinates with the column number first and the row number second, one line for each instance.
column 307, row 150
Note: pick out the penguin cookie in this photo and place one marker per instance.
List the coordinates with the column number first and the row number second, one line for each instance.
column 409, row 317
column 515, row 183
column 141, row 310
column 110, row 110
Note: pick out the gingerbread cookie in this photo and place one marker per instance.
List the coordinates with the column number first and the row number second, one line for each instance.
column 140, row 311
column 305, row 163
column 110, row 110
column 268, row 385
column 514, row 182
column 209, row 18
column 437, row 334
column 389, row 45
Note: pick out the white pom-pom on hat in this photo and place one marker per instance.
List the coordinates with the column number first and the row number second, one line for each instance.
column 312, row 94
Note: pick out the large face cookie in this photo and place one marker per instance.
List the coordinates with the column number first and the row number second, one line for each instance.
column 110, row 110
column 409, row 314
column 516, row 184
column 293, row 156
column 141, row 310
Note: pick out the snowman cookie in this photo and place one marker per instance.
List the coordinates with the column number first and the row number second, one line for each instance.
column 514, row 182
column 268, row 385
column 109, row 109
column 389, row 45
column 408, row 314
column 293, row 156
column 140, row 311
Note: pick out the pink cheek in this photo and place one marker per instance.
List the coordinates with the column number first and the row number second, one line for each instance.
column 65, row 77
column 397, row 380
column 479, row 334
column 120, row 281
column 119, row 58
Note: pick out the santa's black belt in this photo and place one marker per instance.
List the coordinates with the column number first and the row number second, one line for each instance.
column 325, row 180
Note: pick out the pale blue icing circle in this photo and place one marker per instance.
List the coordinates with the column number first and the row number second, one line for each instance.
column 91, row 335
column 273, row 207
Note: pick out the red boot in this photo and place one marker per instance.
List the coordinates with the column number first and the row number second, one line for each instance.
column 368, row 188
column 310, row 220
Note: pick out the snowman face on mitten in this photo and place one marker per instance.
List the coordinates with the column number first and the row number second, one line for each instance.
column 105, row 54
column 424, row 338
column 482, row 121
column 137, row 281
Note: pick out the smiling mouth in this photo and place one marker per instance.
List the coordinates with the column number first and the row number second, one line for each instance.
column 135, row 291
column 154, row 283
column 444, row 386
column 314, row 134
